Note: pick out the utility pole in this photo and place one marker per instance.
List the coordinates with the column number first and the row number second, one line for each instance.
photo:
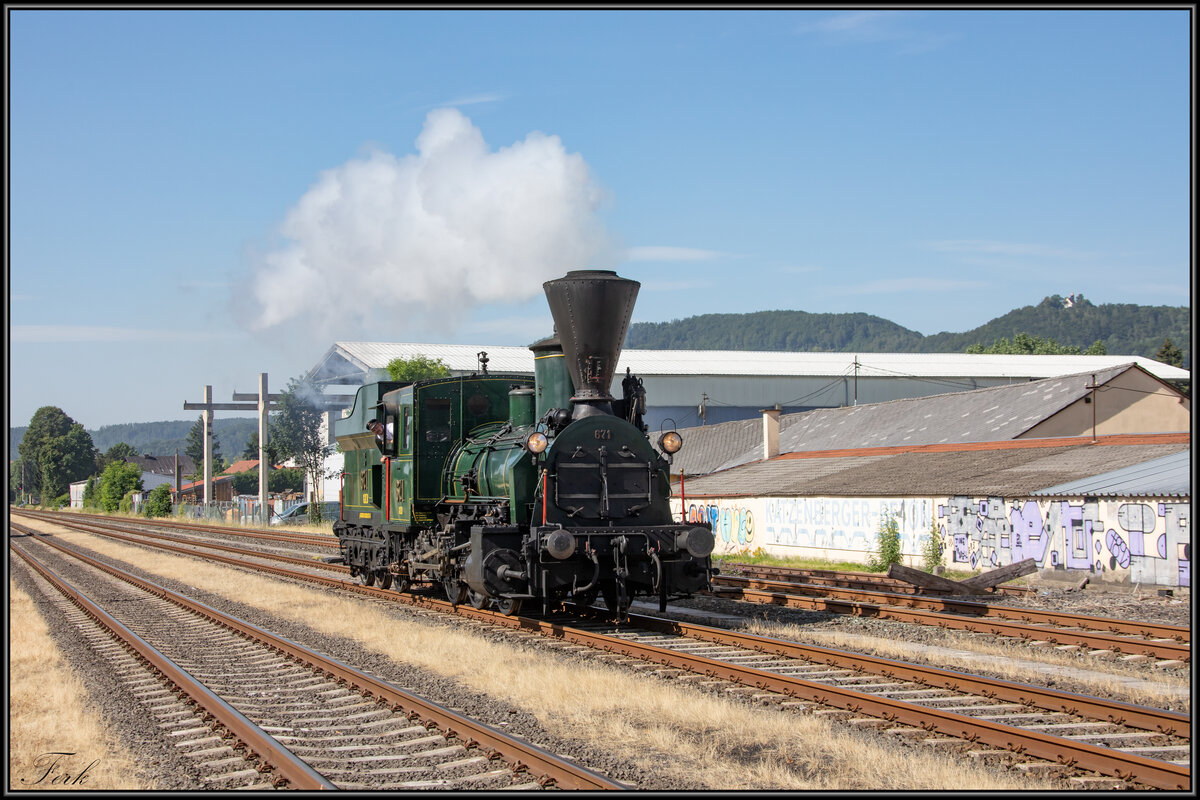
column 856, row 380
column 264, row 402
column 1092, row 400
column 263, row 406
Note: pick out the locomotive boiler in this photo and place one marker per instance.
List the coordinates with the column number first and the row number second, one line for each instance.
column 508, row 488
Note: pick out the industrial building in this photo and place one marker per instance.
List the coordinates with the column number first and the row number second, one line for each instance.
column 688, row 388
column 1085, row 473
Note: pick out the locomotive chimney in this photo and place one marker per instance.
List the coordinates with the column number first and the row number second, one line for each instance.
column 591, row 310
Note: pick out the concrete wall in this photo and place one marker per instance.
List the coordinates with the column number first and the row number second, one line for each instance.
column 1124, row 541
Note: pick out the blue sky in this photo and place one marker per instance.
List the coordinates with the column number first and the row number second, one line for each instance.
column 198, row 196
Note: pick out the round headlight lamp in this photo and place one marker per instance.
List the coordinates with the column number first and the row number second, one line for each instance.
column 536, row 442
column 670, row 442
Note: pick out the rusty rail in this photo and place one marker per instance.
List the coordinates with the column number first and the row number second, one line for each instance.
column 288, row 767
column 521, row 755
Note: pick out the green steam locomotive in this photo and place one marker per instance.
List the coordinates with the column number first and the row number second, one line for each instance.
column 504, row 488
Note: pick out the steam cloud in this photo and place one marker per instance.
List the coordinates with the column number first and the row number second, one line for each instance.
column 382, row 245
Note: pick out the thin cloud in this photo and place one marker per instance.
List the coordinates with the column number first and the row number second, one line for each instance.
column 672, row 254
column 986, row 247
column 474, row 100
column 901, row 285
column 873, row 27
column 45, row 334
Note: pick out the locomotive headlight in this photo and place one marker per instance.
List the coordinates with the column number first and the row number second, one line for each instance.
column 536, row 442
column 697, row 541
column 670, row 442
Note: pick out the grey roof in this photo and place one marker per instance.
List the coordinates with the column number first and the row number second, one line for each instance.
column 1169, row 476
column 976, row 471
column 350, row 359
column 980, row 415
column 163, row 465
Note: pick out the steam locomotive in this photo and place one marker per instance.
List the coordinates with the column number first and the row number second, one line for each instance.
column 508, row 488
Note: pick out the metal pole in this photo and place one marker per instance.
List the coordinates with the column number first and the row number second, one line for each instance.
column 1093, row 408
column 207, row 415
column 263, row 466
column 856, row 380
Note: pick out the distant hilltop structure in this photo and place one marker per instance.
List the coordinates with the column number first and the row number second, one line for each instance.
column 1071, row 300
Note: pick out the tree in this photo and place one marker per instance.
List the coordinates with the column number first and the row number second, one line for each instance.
column 118, row 452
column 56, row 451
column 278, row 480
column 118, row 480
column 66, row 459
column 1025, row 345
column 250, row 452
column 158, row 504
column 1169, row 353
column 299, row 435
column 195, row 449
column 416, row 368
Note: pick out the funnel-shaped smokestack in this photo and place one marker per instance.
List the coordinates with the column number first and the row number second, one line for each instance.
column 591, row 310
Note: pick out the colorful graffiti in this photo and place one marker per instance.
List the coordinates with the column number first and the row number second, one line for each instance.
column 732, row 525
column 1116, row 540
column 1112, row 540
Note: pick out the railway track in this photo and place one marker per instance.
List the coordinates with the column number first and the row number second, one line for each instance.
column 1106, row 736
column 1123, row 637
column 847, row 580
column 1165, row 643
column 331, row 725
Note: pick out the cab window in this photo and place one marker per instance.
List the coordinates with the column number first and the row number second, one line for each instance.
column 436, row 415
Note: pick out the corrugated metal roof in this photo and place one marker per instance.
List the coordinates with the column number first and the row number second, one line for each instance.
column 1169, row 476
column 981, row 415
column 462, row 358
column 1017, row 472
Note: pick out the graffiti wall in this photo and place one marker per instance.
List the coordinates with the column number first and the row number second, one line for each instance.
column 1123, row 541
column 834, row 528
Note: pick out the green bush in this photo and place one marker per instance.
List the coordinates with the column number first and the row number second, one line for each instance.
column 887, row 550
column 91, row 492
column 932, row 552
column 61, row 501
column 158, row 504
column 118, row 480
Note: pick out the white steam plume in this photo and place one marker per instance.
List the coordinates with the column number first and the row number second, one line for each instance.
column 382, row 245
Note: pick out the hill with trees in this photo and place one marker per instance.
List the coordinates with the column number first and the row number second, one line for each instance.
column 164, row 438
column 1122, row 329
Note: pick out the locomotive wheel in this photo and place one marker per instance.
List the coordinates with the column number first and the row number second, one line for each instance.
column 456, row 592
column 385, row 579
column 366, row 577
column 508, row 606
column 476, row 599
column 403, row 584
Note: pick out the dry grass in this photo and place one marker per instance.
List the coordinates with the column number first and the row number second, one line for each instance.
column 674, row 733
column 48, row 712
column 1008, row 662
